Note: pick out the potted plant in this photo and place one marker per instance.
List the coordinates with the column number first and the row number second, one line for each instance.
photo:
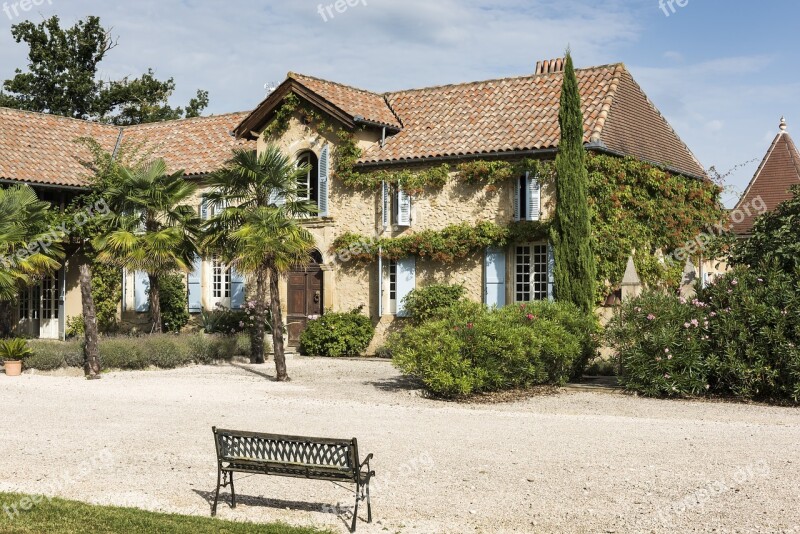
column 12, row 352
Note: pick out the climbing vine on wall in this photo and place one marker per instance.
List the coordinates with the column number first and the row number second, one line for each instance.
column 635, row 206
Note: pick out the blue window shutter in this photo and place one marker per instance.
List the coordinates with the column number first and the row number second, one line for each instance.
column 534, row 199
column 141, row 283
column 386, row 206
column 237, row 290
column 324, row 180
column 551, row 272
column 495, row 273
column 406, row 282
column 195, row 287
column 403, row 208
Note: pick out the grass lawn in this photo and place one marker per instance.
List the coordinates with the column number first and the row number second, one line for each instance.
column 69, row 517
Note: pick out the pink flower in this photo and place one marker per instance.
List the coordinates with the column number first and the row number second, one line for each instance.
column 695, row 322
column 683, row 300
column 666, row 350
column 667, row 376
column 651, row 317
column 712, row 314
column 734, row 282
column 470, row 325
column 669, row 357
column 241, row 324
column 686, row 325
column 530, row 316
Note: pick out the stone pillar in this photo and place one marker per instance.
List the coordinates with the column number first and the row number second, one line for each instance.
column 688, row 280
column 631, row 283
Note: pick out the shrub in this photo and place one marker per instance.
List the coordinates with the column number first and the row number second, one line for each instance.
column 51, row 355
column 338, row 334
column 755, row 334
column 739, row 337
column 122, row 353
column 424, row 303
column 207, row 349
column 174, row 312
column 659, row 354
column 470, row 349
column 76, row 326
column 165, row 351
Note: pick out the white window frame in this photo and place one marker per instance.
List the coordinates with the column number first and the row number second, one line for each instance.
column 305, row 159
column 531, row 272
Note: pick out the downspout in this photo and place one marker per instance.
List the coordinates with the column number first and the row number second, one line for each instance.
column 380, row 283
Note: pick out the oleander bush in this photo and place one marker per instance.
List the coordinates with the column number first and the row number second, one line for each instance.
column 423, row 304
column 337, row 334
column 467, row 348
column 739, row 338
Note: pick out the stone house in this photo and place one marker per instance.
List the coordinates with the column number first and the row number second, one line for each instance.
column 327, row 124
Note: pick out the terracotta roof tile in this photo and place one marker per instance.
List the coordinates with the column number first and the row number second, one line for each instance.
column 519, row 114
column 353, row 101
column 779, row 170
column 41, row 148
column 196, row 146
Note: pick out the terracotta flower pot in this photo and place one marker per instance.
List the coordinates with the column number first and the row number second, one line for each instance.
column 13, row 368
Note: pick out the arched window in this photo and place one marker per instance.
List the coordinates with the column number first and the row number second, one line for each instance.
column 308, row 183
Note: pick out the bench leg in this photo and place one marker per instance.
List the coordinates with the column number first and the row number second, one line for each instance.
column 233, row 493
column 216, row 497
column 369, row 506
column 355, row 510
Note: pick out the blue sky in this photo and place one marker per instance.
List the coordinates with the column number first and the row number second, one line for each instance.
column 722, row 72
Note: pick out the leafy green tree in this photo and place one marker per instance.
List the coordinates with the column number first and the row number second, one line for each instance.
column 27, row 250
column 571, row 234
column 62, row 78
column 259, row 233
column 775, row 238
column 152, row 228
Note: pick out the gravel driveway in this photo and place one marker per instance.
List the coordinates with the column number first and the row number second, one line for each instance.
column 569, row 462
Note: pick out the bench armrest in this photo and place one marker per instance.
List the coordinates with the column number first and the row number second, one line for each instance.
column 366, row 461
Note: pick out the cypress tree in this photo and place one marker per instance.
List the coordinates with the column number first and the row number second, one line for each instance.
column 571, row 234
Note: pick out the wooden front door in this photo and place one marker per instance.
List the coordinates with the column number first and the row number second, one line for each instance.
column 305, row 300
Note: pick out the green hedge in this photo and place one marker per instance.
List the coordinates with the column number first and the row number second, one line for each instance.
column 337, row 334
column 467, row 348
column 165, row 351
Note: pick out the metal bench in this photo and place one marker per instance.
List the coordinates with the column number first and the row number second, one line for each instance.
column 334, row 460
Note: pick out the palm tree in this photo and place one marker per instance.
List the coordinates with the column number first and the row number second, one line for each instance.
column 259, row 232
column 152, row 228
column 26, row 252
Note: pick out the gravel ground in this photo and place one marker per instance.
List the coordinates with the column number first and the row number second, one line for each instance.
column 568, row 462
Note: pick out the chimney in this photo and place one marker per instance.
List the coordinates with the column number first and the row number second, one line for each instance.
column 550, row 66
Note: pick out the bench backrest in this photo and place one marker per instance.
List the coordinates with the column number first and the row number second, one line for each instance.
column 235, row 445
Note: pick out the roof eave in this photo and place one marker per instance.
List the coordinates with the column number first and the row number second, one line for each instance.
column 260, row 116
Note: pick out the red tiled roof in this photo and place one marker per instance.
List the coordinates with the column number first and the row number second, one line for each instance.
column 196, row 146
column 499, row 116
column 41, row 148
column 779, row 170
column 355, row 102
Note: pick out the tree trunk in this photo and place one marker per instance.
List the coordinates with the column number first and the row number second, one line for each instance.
column 257, row 351
column 6, row 318
column 155, row 304
column 91, row 352
column 277, row 326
